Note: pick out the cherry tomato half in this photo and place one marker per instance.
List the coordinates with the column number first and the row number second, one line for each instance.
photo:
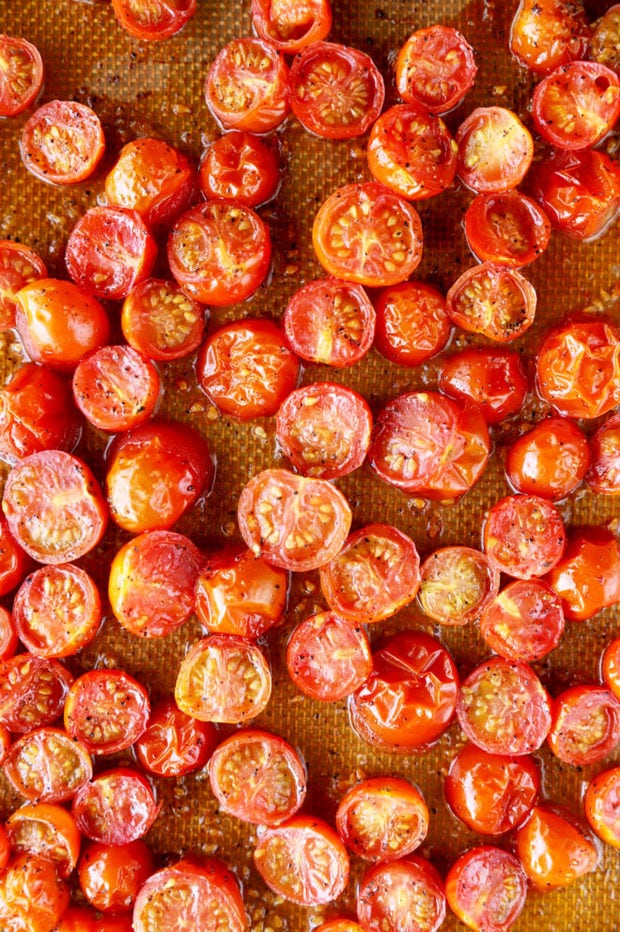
column 602, row 805
column 604, row 473
column 116, row 388
column 507, row 228
column 524, row 536
column 524, row 622
column 493, row 300
column 160, row 321
column 32, row 692
column 486, row 888
column 173, row 743
column 382, row 818
column 111, row 876
column 435, row 68
column 62, row 142
column 495, row 150
column 153, row 20
column 548, row 33
column 456, row 585
column 577, row 105
column 604, row 44
column 8, row 646
column 610, row 666
column 587, row 577
column 21, row 74
column 551, row 460
column 328, row 657
column 117, row 807
column 291, row 26
column 586, row 724
column 106, row 710
column 48, row 765
column 406, row 895
column 412, row 324
column 19, row 266
column 32, row 895
column 554, row 849
column 240, row 166
column 494, row 379
column 47, row 831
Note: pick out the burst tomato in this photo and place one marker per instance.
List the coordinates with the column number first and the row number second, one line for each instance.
column 435, row 68
column 586, row 724
column 106, row 710
column 153, row 20
column 117, row 807
column 291, row 26
column 412, row 324
column 493, row 379
column 602, row 806
column 62, row 142
column 495, row 150
column 406, row 895
column 19, row 266
column 21, row 74
column 604, row 473
column 548, row 33
column 160, row 321
column 493, row 300
column 524, row 622
column 554, row 849
column 328, row 657
column 524, row 536
column 587, row 577
column 507, row 228
column 48, row 765
column 116, row 388
column 111, row 876
column 32, row 895
column 32, row 692
column 47, row 831
column 173, row 743
column 383, row 818
column 551, row 460
column 240, row 166
column 456, row 585
column 577, row 105
column 486, row 888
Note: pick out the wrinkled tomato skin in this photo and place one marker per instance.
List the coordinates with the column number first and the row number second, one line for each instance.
column 46, row 830
column 328, row 657
column 107, row 710
column 493, row 379
column 508, row 228
column 117, row 807
column 32, row 692
column 14, row 561
column 111, row 876
column 548, row 33
column 19, row 266
column 435, row 68
column 32, row 895
column 602, row 805
column 524, row 536
column 604, row 473
column 577, row 105
column 407, row 895
column 586, row 724
column 587, row 577
column 412, row 324
column 553, row 849
column 62, row 143
column 486, row 888
column 26, row 55
column 382, row 818
column 456, row 585
column 610, row 667
column 551, row 460
column 242, row 167
column 173, row 743
column 160, row 19
column 290, row 27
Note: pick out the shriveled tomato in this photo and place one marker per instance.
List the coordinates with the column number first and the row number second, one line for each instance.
column 365, row 233
column 160, row 321
column 551, row 460
column 610, row 666
column 153, row 20
column 32, row 895
column 106, row 710
column 173, row 743
column 62, row 142
column 548, row 33
column 493, row 300
column 524, row 536
column 382, row 818
column 587, row 577
column 586, row 724
column 602, row 806
column 486, row 888
column 328, row 657
column 495, row 150
column 32, row 692
column 290, row 26
column 507, row 228
column 116, row 388
column 554, row 849
column 604, row 473
column 240, row 166
column 48, row 765
column 524, row 622
column 435, row 68
column 410, row 697
column 604, row 47
column 412, row 324
column 8, row 637
column 336, row 91
column 21, row 74
column 302, row 860
column 406, row 895
column 494, row 379
column 456, row 585
column 19, row 266
column 47, row 831
column 258, row 777
column 491, row 793
column 117, row 807
column 577, row 105
column 111, row 876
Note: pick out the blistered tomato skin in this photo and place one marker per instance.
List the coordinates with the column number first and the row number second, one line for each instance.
column 173, row 743
column 551, row 460
column 604, row 473
column 554, row 850
column 412, row 323
column 587, row 577
column 493, row 379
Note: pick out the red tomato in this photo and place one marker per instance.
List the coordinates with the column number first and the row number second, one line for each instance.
column 117, row 807
column 548, row 33
column 155, row 473
column 21, row 74
column 32, row 692
column 54, row 507
column 109, row 251
column 376, row 573
column 602, row 805
column 495, row 150
column 456, row 585
column 292, row 521
column 247, row 86
column 8, row 639
column 524, row 536
column 401, row 896
column 223, row 678
column 324, row 429
column 191, row 893
column 524, row 622
column 153, row 20
column 47, row 765
column 258, row 777
column 409, row 698
column 610, row 666
column 5, row 849
column 47, row 831
column 160, row 321
column 240, row 594
column 290, row 26
column 365, row 233
column 302, row 860
column 426, row 444
column 58, row 324
column 328, row 657
column 493, row 300
column 435, row 68
column 604, row 44
column 412, row 324
column 57, row 611
column 604, row 473
column 551, row 460
column 339, row 925
column 19, row 266
column 486, row 888
column 494, row 379
column 506, row 228
column 330, row 321
column 245, row 368
column 577, row 105
column 554, row 849
column 587, row 578
column 32, row 895
column 242, row 167
column 491, row 793
column 152, row 582
column 586, row 724
column 503, row 708
column 111, row 876
column 173, row 743
column 336, row 91
column 382, row 818
column 578, row 368
column 115, row 388
column 62, row 142
column 106, row 710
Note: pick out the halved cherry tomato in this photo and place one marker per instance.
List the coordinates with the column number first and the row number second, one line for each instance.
column 491, row 793
column 330, row 321
column 32, row 692
column 173, row 743
column 117, row 807
column 548, row 33
column 524, row 536
column 456, row 585
column 376, row 573
column 153, row 20
column 47, row 831
column 21, row 74
column 554, row 849
column 495, row 150
column 111, row 876
column 294, row 522
column 223, row 678
column 62, row 142
column 602, row 805
column 246, row 369
column 328, row 657
column 604, row 46
column 493, row 300
column 586, row 724
column 412, row 324
column 610, row 666
column 57, row 610
column 494, row 379
column 160, row 321
column 8, row 636
column 336, row 91
column 401, row 896
column 486, row 888
column 507, row 228
column 290, row 26
column 240, row 166
column 247, row 86
column 551, row 460
column 577, row 105
column 604, row 473
column 116, row 388
column 383, row 818
column 524, row 622
column 302, row 860
column 435, row 68
column 258, row 777
column 191, row 893
column 587, row 577
column 5, row 849
column 410, row 697
column 365, row 233
column 503, row 708
column 19, row 266
column 324, row 429
column 48, row 765
column 32, row 895
column 106, row 710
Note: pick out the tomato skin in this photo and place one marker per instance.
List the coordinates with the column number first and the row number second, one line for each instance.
column 547, row 34
column 495, row 150
column 553, row 849
column 339, row 925
column 524, row 622
column 406, row 895
column 328, row 657
column 32, row 895
column 435, row 68
column 551, row 460
column 160, row 20
column 8, row 641
column 5, row 849
column 173, row 743
column 456, row 585
column 117, row 807
column 577, row 105
column 62, row 143
column 507, row 228
column 601, row 804
column 115, row 388
column 610, row 667
column 20, row 58
column 289, row 27
column 32, row 692
column 106, row 710
column 486, row 888
column 47, row 765
column 604, row 473
column 412, row 324
column 586, row 724
column 604, row 43
column 19, row 266
column 494, row 379
column 160, row 321
column 524, row 536
column 48, row 831
column 493, row 300
column 111, row 876
column 240, row 166
column 382, row 818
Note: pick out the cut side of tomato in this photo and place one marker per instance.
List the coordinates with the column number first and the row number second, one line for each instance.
column 19, row 266
column 577, row 105
column 456, row 585
column 328, row 657
column 382, row 818
column 493, row 300
column 62, row 142
column 435, row 68
column 495, row 150
column 21, row 74
column 106, row 710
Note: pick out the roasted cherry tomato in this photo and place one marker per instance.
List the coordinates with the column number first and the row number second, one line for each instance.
column 491, row 793
column 173, row 743
column 5, row 849
column 258, row 777
column 247, row 86
column 587, row 577
column 336, row 91
column 240, row 166
column 365, row 233
column 8, row 643
column 435, row 68
column 48, row 765
column 19, row 266
column 602, row 805
column 456, row 585
column 493, row 300
column 507, row 228
column 554, row 849
column 409, row 698
column 524, row 536
column 610, row 666
column 21, row 74
column 245, row 368
column 106, row 710
column 328, row 657
column 604, row 473
column 550, row 460
column 548, row 33
column 524, row 622
column 153, row 20
column 47, row 831
column 339, row 925
column 604, row 46
column 116, row 388
column 412, row 324
column 294, row 522
column 32, row 895
column 223, row 678
column 494, row 379
column 503, row 708
column 495, row 150
column 486, row 888
column 160, row 321
column 32, row 692
column 62, row 142
column 577, row 105
column 586, row 724
column 383, row 818
column 117, row 807
column 111, row 876
column 290, row 26
column 302, row 860
column 406, row 895
column 330, row 321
